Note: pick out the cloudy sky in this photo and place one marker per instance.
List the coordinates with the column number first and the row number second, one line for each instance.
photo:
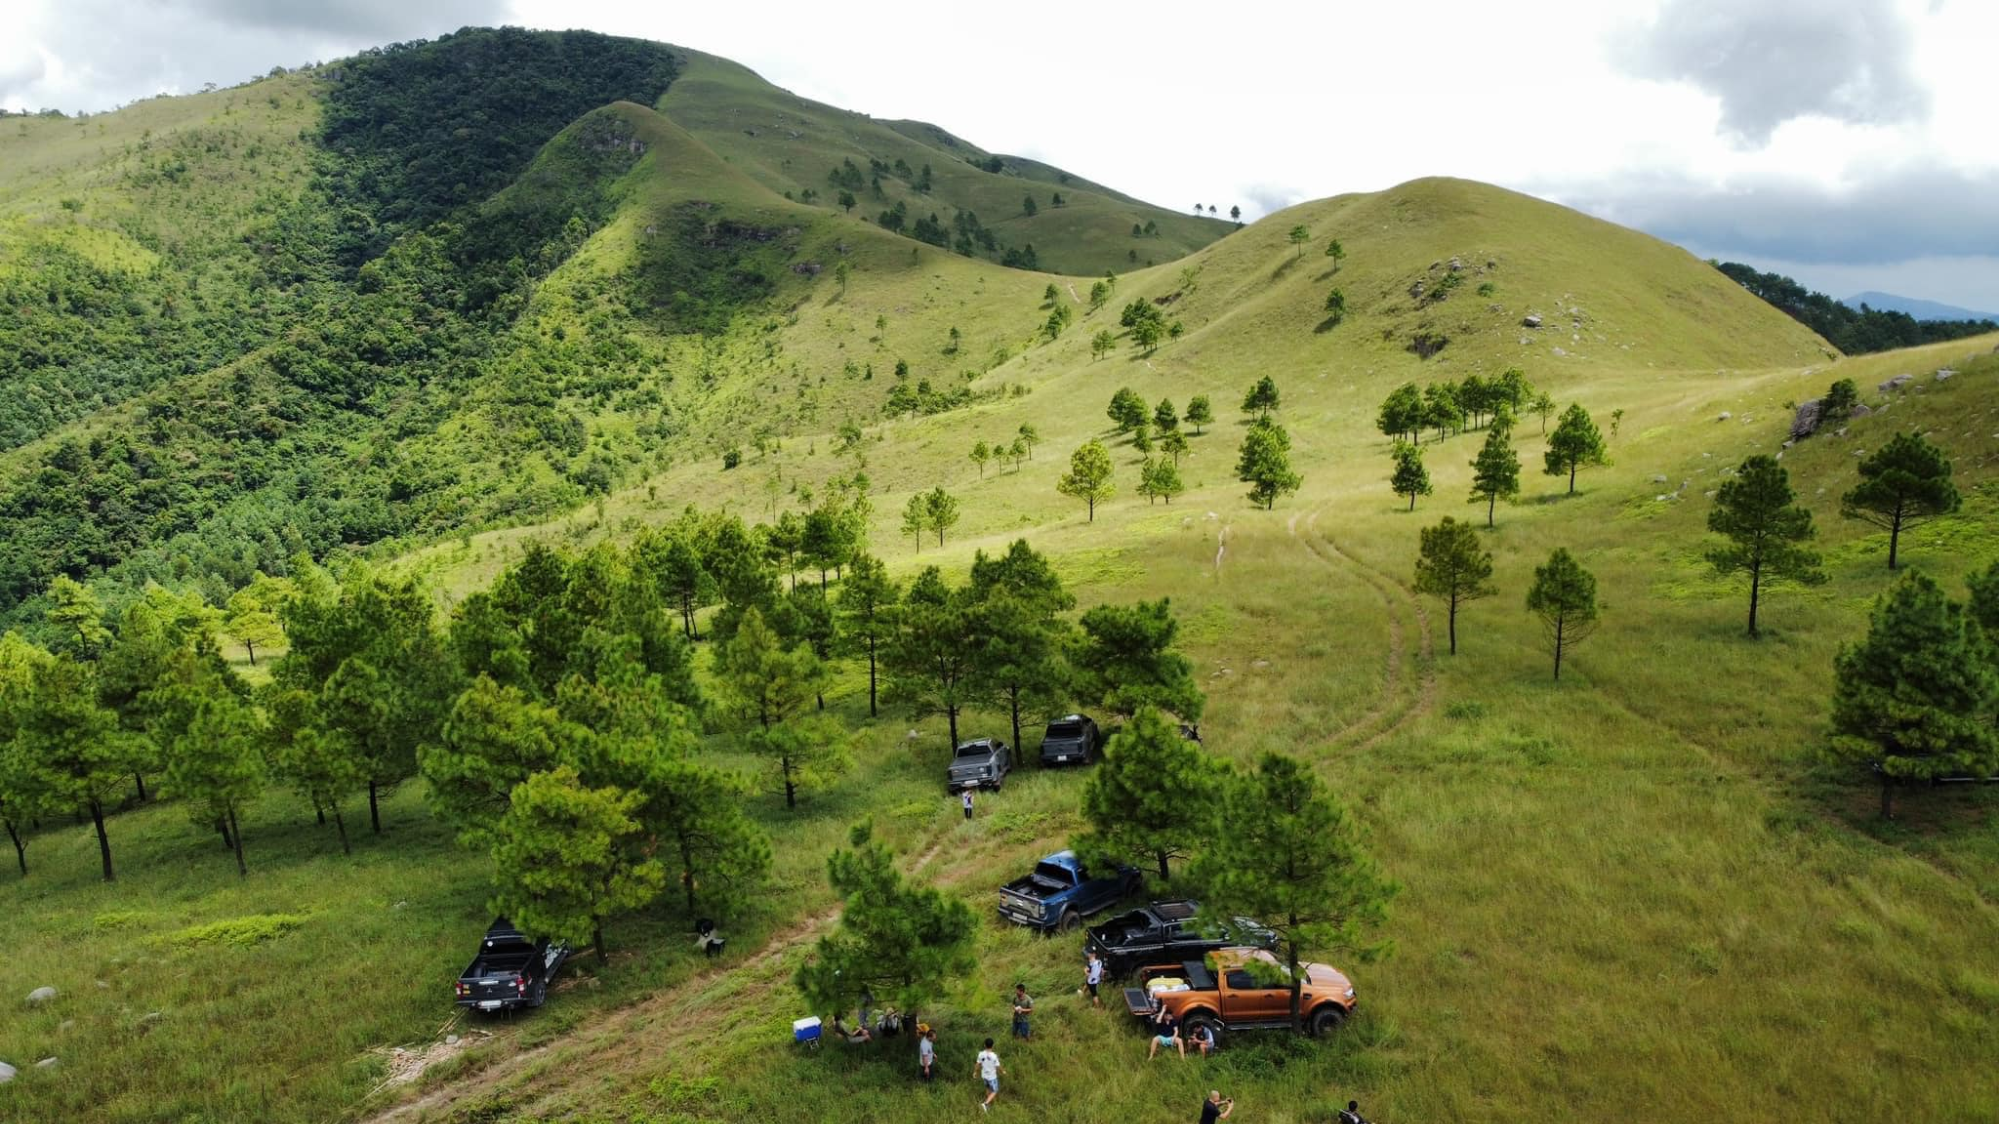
column 1845, row 142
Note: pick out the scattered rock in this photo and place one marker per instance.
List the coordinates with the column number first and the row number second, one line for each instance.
column 1944, row 373
column 1659, row 479
column 6, row 1073
column 913, row 735
column 1559, row 352
column 1531, row 320
column 1661, row 498
column 47, row 1063
column 1725, row 416
column 1897, row 383
column 41, row 995
column 102, row 983
column 451, row 1041
column 1259, row 663
column 1805, row 422
column 1456, row 265
column 1860, row 411
column 151, row 1018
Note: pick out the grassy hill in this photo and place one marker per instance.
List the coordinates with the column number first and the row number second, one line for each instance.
column 1635, row 894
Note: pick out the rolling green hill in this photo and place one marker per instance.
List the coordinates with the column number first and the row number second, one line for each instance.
column 1640, row 893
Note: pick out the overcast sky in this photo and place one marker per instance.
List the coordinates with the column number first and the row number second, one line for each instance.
column 1848, row 143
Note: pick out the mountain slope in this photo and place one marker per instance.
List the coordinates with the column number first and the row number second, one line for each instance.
column 1914, row 306
column 791, row 145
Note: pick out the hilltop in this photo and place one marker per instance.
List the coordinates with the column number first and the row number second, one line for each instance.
column 307, row 317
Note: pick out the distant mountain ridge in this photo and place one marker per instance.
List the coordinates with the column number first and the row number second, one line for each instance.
column 1915, row 307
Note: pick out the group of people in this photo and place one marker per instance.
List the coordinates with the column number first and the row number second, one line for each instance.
column 1166, row 1033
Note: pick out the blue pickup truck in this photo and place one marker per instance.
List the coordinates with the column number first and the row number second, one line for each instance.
column 1060, row 893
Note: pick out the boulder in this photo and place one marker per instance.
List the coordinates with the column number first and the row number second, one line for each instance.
column 6, row 1073
column 1724, row 416
column 1944, row 373
column 1659, row 479
column 41, row 995
column 1805, row 422
column 451, row 1041
column 1861, row 411
column 1532, row 320
column 47, row 1063
column 1895, row 384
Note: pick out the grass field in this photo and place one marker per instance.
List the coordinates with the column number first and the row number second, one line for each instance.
column 1633, row 895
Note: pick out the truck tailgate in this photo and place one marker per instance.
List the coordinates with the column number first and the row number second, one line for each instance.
column 1139, row 1001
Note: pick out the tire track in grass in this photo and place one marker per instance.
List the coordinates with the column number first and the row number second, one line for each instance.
column 1397, row 706
column 532, row 1082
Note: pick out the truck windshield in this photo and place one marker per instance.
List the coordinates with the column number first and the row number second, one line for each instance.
column 974, row 750
column 1065, row 730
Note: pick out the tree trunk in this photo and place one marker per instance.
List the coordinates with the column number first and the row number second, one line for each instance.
column 790, row 786
column 1755, row 592
column 1454, row 624
column 103, row 841
column 20, row 846
column 1093, row 509
column 1558, row 650
column 222, row 829
column 139, row 779
column 1297, row 986
column 251, row 648
column 1572, row 477
column 1013, row 695
column 1412, row 499
column 374, row 808
column 340, row 824
column 687, row 871
column 1894, row 535
column 871, row 677
column 1887, row 797
column 597, row 940
column 1491, row 502
column 319, row 811
column 1162, row 857
column 236, row 833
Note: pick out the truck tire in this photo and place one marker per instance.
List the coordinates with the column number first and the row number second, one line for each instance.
column 1326, row 1019
column 1070, row 921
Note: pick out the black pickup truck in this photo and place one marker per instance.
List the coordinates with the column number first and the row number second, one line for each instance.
column 510, row 971
column 1168, row 932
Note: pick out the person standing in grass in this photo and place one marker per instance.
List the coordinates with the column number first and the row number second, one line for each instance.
column 1023, row 1007
column 1093, row 976
column 989, row 1072
column 926, row 1049
column 1216, row 1108
column 967, row 798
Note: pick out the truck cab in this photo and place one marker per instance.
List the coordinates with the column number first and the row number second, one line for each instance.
column 1169, row 932
column 1238, row 989
column 1060, row 892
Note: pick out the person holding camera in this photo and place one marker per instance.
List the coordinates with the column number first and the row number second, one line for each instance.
column 1216, row 1108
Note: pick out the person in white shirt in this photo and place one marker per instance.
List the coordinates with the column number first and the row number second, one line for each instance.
column 990, row 1070
column 1093, row 975
column 926, row 1050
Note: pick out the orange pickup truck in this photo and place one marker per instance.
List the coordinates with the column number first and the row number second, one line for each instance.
column 1225, row 992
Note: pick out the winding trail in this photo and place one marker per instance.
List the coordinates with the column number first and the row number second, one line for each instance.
column 1398, row 706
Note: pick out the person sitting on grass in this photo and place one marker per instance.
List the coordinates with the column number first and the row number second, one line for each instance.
column 1204, row 1040
column 1166, row 1034
column 859, row 1034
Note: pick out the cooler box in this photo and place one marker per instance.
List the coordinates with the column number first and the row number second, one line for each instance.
column 805, row 1030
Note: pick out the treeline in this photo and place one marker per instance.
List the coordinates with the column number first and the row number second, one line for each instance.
column 1853, row 331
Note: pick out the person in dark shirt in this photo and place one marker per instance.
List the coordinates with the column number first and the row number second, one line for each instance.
column 1216, row 1108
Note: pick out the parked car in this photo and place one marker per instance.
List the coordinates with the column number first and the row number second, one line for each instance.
column 511, row 971
column 1240, row 988
column 982, row 763
column 1070, row 739
column 1059, row 893
column 1168, row 932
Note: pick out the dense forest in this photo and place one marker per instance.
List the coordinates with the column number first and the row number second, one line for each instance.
column 361, row 315
column 1853, row 331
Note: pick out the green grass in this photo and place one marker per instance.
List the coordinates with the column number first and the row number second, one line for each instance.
column 1636, row 894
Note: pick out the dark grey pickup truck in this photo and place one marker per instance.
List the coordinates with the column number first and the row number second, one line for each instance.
column 511, row 971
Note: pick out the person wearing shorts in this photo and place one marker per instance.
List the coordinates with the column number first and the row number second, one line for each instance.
column 990, row 1071
column 1093, row 975
column 1167, row 1034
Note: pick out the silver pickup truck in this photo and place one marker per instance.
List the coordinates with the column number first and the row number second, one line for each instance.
column 982, row 763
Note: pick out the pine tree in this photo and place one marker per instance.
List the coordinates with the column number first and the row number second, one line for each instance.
column 1904, row 483
column 1496, row 470
column 933, row 661
column 1754, row 509
column 495, row 738
column 1402, row 414
column 1293, row 858
column 1455, row 566
column 769, row 687
column 1839, row 402
column 77, row 616
column 1199, row 413
column 1410, row 478
column 1564, row 598
column 1261, row 398
column 916, row 518
column 1014, row 600
column 564, row 859
column 1576, row 442
column 1916, row 698
column 1125, row 660
column 981, row 453
column 1264, row 463
column 1153, row 796
column 1164, row 417
column 940, row 511
column 1174, row 444
column 70, row 748
column 867, row 613
column 218, row 765
column 253, row 614
column 900, row 943
column 1089, row 476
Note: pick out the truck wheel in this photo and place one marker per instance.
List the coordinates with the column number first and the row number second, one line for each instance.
column 1327, row 1019
column 1070, row 920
